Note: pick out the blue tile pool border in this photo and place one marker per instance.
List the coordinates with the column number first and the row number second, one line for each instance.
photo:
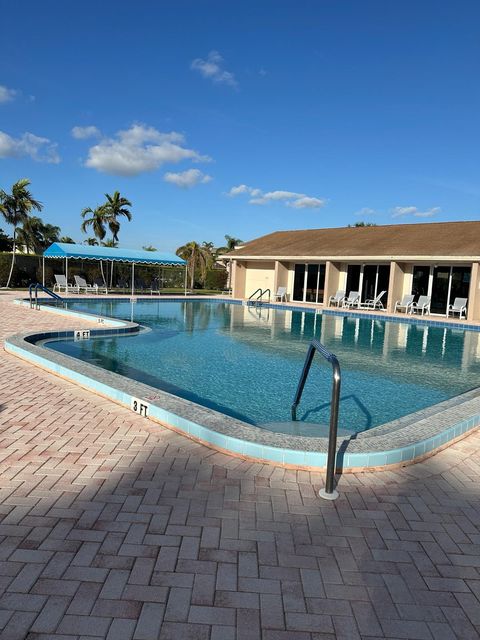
column 423, row 433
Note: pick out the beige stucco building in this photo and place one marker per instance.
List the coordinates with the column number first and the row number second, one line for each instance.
column 440, row 260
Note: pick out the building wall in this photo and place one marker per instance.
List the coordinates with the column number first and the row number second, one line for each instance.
column 249, row 275
column 259, row 275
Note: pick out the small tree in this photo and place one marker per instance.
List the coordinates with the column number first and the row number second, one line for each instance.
column 197, row 258
column 15, row 208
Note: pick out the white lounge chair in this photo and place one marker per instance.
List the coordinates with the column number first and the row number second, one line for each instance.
column 404, row 304
column 61, row 282
column 459, row 306
column 353, row 300
column 375, row 303
column 422, row 304
column 81, row 284
column 281, row 294
column 337, row 299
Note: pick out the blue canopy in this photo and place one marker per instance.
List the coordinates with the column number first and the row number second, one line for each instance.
column 86, row 252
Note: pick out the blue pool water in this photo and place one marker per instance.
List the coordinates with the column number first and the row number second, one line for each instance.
column 246, row 362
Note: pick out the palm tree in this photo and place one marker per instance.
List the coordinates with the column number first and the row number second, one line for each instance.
column 91, row 242
column 149, row 247
column 232, row 243
column 36, row 236
column 15, row 208
column 230, row 246
column 67, row 240
column 112, row 244
column 115, row 207
column 98, row 222
column 197, row 258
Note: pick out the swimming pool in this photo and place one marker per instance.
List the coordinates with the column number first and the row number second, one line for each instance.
column 245, row 362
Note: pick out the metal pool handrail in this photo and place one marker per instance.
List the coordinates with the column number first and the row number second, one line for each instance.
column 261, row 293
column 36, row 287
column 329, row 493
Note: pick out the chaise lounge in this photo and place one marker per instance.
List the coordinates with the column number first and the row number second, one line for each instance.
column 375, row 303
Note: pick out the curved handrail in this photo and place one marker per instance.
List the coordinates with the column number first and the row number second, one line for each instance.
column 261, row 293
column 315, row 345
column 36, row 286
column 257, row 291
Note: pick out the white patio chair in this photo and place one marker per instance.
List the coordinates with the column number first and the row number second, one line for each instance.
column 61, row 282
column 422, row 304
column 353, row 300
column 281, row 294
column 375, row 303
column 459, row 306
column 337, row 298
column 404, row 304
column 81, row 284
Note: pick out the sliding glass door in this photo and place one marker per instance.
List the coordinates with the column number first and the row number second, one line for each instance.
column 442, row 283
column 440, row 289
column 309, row 283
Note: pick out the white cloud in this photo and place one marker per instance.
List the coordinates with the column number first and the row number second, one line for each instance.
column 398, row 212
column 212, row 68
column 306, row 202
column 6, row 94
column 289, row 198
column 242, row 188
column 187, row 179
column 29, row 145
column 140, row 149
column 81, row 133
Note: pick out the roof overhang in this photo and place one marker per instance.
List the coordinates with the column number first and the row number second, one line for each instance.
column 87, row 252
column 357, row 258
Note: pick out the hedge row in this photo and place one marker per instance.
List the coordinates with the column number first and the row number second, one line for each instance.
column 28, row 269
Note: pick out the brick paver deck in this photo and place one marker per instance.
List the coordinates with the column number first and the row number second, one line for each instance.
column 113, row 527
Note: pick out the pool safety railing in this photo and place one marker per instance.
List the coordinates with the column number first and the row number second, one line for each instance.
column 259, row 293
column 329, row 492
column 33, row 295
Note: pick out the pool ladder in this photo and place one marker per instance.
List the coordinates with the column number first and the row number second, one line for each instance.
column 329, row 493
column 33, row 295
column 259, row 293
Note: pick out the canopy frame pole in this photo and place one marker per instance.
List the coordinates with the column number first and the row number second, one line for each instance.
column 133, row 279
column 66, row 275
column 186, row 278
column 43, row 271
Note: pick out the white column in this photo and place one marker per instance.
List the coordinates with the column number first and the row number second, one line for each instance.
column 43, row 270
column 186, row 277
column 133, row 279
column 66, row 275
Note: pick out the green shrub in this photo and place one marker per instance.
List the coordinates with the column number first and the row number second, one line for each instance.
column 216, row 279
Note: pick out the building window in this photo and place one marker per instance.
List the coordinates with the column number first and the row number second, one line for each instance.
column 309, row 282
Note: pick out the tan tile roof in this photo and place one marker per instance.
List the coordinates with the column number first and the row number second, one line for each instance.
column 455, row 239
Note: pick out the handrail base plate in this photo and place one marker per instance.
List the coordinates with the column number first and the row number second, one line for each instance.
column 328, row 496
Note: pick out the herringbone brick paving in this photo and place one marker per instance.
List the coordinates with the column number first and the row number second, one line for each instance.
column 114, row 527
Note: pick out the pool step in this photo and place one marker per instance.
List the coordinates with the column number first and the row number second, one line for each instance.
column 299, row 428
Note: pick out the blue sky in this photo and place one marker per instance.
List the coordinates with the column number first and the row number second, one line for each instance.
column 242, row 118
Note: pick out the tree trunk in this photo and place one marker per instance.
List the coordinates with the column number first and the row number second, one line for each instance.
column 103, row 275
column 192, row 275
column 13, row 256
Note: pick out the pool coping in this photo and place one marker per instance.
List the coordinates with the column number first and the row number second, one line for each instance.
column 399, row 442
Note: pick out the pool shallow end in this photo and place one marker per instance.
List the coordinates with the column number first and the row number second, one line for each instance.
column 378, row 448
